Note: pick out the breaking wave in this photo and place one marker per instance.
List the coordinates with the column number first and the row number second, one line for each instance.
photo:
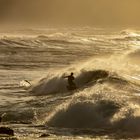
column 86, row 114
column 56, row 84
column 128, row 35
column 102, row 108
column 108, row 85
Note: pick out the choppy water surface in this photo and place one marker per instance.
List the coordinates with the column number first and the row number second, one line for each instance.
column 106, row 65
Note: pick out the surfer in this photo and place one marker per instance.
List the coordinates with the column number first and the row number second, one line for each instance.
column 71, row 84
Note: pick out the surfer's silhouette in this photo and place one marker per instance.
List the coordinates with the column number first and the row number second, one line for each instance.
column 71, row 84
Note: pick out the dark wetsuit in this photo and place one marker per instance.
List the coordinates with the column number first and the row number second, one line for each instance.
column 70, row 80
column 71, row 83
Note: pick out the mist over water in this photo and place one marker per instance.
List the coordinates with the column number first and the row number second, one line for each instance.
column 65, row 12
column 34, row 97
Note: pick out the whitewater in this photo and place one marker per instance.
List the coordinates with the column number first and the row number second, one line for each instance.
column 34, row 100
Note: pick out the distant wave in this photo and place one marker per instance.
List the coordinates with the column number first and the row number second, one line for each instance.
column 128, row 32
column 134, row 57
column 54, row 35
column 31, row 42
column 19, row 42
column 127, row 35
column 45, row 40
column 128, row 38
column 65, row 39
column 135, row 53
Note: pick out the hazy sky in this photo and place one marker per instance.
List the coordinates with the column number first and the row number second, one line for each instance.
column 85, row 12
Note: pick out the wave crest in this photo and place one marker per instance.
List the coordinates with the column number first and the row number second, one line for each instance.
column 84, row 115
column 57, row 84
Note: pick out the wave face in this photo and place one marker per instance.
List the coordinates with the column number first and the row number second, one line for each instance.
column 105, row 63
column 57, row 84
column 94, row 115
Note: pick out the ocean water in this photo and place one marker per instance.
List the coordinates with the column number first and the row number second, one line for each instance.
column 34, row 99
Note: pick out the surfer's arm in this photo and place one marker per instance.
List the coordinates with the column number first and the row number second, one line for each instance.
column 65, row 77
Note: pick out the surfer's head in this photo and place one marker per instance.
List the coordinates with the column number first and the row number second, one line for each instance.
column 71, row 73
